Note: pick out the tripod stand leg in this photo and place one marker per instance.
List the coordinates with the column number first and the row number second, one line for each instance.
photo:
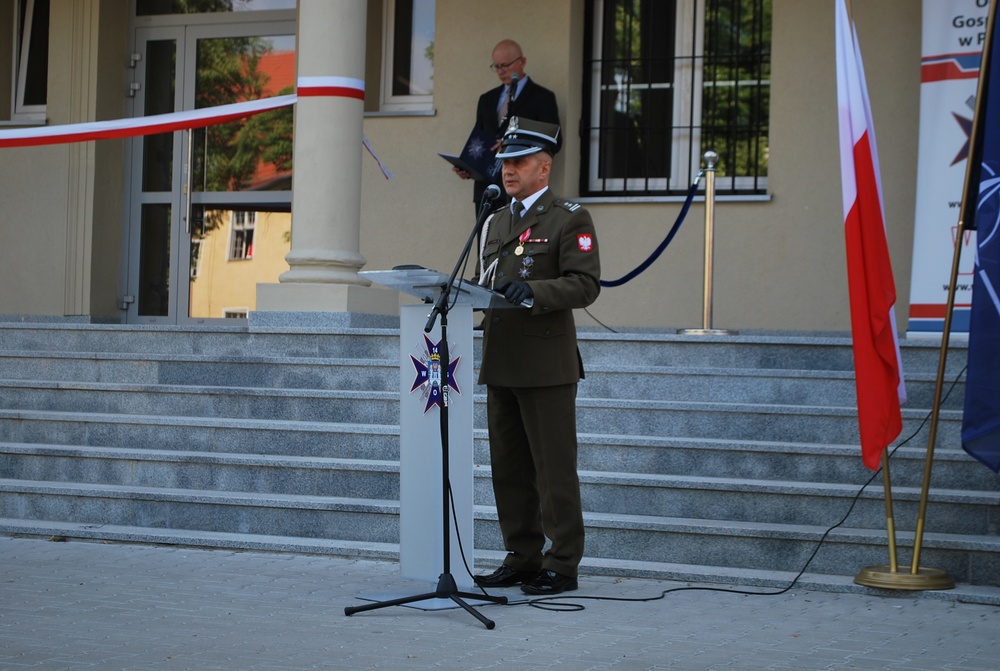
column 351, row 610
column 446, row 589
column 490, row 624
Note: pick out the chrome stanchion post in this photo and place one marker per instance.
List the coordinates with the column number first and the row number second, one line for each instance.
column 711, row 158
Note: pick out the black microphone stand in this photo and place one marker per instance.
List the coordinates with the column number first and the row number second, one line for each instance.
column 510, row 96
column 446, row 586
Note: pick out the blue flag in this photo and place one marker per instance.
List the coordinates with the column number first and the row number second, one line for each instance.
column 981, row 419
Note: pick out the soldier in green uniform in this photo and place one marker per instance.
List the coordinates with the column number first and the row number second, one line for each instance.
column 546, row 261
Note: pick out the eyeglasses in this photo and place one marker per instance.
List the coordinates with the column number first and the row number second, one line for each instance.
column 497, row 67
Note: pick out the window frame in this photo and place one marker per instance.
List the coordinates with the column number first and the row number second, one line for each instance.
column 24, row 23
column 688, row 123
column 242, row 234
column 390, row 101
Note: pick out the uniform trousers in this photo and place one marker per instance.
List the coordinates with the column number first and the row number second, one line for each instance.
column 533, row 452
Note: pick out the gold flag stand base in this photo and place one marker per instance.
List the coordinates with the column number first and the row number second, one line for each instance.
column 706, row 332
column 885, row 578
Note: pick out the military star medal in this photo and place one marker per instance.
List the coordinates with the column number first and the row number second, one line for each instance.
column 429, row 376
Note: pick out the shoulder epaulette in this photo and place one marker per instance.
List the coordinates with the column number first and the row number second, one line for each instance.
column 566, row 204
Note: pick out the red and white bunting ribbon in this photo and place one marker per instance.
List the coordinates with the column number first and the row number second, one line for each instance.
column 340, row 87
column 147, row 125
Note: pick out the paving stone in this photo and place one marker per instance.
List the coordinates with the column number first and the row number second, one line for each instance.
column 119, row 607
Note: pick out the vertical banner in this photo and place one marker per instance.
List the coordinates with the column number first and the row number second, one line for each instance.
column 981, row 418
column 954, row 32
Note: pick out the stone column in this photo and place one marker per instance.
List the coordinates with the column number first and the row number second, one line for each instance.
column 325, row 254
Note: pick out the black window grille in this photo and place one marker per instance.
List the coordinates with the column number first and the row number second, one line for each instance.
column 668, row 80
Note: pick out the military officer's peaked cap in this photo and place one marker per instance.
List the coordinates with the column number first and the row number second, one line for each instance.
column 527, row 136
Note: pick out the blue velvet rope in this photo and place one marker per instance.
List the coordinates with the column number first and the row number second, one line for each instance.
column 663, row 245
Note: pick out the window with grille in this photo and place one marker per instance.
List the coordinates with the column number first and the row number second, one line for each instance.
column 668, row 80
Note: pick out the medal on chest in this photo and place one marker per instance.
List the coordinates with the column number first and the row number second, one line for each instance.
column 520, row 242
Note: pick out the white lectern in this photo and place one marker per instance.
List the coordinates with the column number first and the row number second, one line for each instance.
column 436, row 411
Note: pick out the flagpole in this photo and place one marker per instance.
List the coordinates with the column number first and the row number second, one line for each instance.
column 924, row 578
column 890, row 520
column 964, row 216
column 889, row 577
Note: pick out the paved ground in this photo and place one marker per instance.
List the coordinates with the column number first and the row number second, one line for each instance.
column 80, row 605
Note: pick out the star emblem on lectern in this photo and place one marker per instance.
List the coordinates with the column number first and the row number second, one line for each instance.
column 429, row 375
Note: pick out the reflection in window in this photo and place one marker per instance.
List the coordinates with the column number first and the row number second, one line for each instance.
column 195, row 266
column 154, row 261
column 253, row 153
column 408, row 73
column 153, row 7
column 258, row 238
column 31, row 62
column 669, row 80
column 241, row 235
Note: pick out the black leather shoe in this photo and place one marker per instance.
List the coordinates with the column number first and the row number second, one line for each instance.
column 549, row 582
column 505, row 576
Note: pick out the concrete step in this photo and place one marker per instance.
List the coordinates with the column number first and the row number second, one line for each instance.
column 730, row 421
column 636, row 417
column 202, row 370
column 624, row 453
column 672, row 540
column 216, row 434
column 717, row 456
column 749, row 385
column 342, row 518
column 221, row 341
column 771, row 460
column 762, row 351
column 767, row 547
column 792, row 387
column 716, row 498
column 221, row 472
column 353, row 406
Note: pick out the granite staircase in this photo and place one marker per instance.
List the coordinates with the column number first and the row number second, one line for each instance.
column 720, row 459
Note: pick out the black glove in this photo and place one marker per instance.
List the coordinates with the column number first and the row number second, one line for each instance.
column 516, row 292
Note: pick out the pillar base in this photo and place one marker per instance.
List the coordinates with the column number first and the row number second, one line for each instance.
column 316, row 297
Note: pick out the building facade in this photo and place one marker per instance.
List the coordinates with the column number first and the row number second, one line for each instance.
column 120, row 228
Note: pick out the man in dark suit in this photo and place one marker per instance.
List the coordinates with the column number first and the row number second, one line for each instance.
column 531, row 364
column 531, row 101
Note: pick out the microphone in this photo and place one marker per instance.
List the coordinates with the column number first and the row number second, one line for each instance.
column 491, row 193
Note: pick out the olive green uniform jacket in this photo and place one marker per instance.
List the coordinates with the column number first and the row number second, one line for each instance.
column 560, row 261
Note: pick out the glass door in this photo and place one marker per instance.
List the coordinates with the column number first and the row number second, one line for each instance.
column 209, row 208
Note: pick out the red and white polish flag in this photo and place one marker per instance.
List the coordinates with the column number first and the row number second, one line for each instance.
column 877, row 363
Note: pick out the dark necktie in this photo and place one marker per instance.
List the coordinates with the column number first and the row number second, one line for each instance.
column 516, row 212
